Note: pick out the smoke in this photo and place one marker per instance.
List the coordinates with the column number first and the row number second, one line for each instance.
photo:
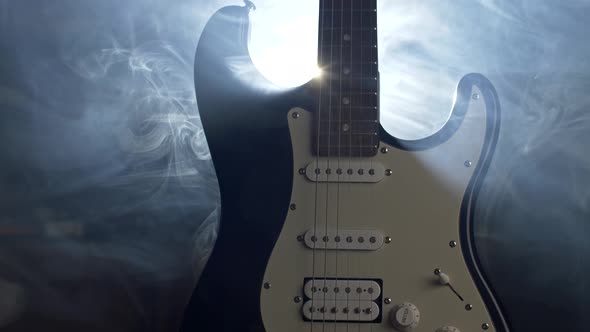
column 106, row 179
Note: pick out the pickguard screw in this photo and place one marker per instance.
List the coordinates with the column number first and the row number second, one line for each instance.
column 485, row 326
column 295, row 115
column 468, row 163
column 388, row 239
column 387, row 300
column 388, row 172
column 453, row 244
column 437, row 271
column 468, row 307
column 384, row 150
column 475, row 96
column 293, row 207
column 298, row 299
column 300, row 238
column 267, row 285
column 302, row 171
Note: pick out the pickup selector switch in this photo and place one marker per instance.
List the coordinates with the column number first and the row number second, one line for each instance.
column 448, row 329
column 405, row 317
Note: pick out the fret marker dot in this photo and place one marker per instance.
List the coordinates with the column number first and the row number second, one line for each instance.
column 346, row 70
column 345, row 101
column 346, row 37
column 345, row 127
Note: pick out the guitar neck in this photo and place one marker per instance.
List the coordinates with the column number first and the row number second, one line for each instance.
column 347, row 120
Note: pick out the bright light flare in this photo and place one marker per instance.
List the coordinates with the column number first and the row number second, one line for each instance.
column 284, row 43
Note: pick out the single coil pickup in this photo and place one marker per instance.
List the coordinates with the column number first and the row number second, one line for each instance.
column 341, row 311
column 345, row 171
column 344, row 239
column 342, row 289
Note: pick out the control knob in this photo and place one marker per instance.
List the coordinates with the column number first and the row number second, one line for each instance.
column 405, row 317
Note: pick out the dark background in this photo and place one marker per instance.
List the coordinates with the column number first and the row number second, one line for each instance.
column 107, row 194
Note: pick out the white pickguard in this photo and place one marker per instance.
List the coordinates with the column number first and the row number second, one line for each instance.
column 417, row 206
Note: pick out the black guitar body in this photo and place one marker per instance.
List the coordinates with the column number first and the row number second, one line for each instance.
column 246, row 127
column 253, row 166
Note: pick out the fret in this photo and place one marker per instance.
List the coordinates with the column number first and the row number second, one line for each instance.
column 348, row 45
column 350, row 101
column 343, row 120
column 330, row 84
column 348, row 36
column 341, row 80
column 358, row 70
column 347, row 54
column 355, row 5
column 363, row 149
column 354, row 29
column 351, row 115
column 346, row 141
column 365, row 145
column 338, row 9
column 348, row 152
column 337, row 129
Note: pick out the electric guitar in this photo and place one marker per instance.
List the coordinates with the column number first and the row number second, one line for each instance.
column 329, row 223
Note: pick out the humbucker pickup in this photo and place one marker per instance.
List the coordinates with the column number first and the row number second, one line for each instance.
column 342, row 300
column 343, row 239
column 345, row 171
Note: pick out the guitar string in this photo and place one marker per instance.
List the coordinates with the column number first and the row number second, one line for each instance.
column 361, row 14
column 328, row 158
column 338, row 166
column 319, row 121
column 351, row 74
column 369, row 94
column 375, row 70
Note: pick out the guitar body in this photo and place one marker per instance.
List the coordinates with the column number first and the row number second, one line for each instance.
column 419, row 214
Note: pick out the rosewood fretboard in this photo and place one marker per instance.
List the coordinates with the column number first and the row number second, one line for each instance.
column 347, row 118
